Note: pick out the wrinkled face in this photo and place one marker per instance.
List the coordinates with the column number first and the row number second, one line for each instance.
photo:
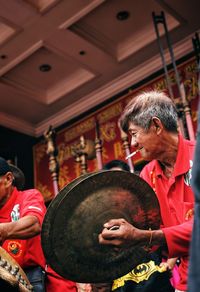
column 5, row 185
column 2, row 186
column 146, row 141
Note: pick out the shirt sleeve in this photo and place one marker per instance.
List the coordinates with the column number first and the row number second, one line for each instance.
column 32, row 204
column 178, row 238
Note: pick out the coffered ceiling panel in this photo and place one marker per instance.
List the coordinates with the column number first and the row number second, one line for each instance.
column 120, row 31
column 6, row 32
column 42, row 5
column 46, row 76
column 59, row 58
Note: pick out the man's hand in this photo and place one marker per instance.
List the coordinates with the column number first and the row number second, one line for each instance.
column 169, row 264
column 119, row 232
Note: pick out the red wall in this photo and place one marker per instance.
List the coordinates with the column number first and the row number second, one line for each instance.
column 107, row 118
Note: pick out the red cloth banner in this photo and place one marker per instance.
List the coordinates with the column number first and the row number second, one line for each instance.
column 107, row 118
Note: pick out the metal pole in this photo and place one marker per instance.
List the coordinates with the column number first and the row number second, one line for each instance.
column 196, row 45
column 156, row 20
column 160, row 19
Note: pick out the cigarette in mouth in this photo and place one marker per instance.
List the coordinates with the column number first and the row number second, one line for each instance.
column 131, row 154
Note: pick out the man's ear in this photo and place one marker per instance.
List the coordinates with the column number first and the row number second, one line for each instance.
column 157, row 124
column 9, row 179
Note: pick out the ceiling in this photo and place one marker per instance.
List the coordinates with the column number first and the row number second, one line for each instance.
column 61, row 58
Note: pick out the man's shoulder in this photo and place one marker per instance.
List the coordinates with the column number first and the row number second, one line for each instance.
column 150, row 165
column 31, row 192
column 190, row 143
column 32, row 200
column 189, row 146
column 148, row 168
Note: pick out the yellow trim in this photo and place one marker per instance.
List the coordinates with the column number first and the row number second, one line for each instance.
column 140, row 273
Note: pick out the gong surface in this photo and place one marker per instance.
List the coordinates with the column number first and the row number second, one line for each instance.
column 76, row 217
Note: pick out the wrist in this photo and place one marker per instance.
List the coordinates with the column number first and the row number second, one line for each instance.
column 141, row 237
column 3, row 232
column 148, row 237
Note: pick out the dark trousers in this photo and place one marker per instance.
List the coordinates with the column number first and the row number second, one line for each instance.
column 36, row 277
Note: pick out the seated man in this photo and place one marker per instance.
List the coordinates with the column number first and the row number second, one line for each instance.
column 25, row 211
column 21, row 216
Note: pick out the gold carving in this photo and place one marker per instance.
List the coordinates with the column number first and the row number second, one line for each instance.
column 44, row 191
column 39, row 152
column 118, row 150
column 192, row 87
column 79, row 129
column 83, row 151
column 110, row 113
column 50, row 138
column 160, row 85
column 64, row 152
column 108, row 131
column 64, row 178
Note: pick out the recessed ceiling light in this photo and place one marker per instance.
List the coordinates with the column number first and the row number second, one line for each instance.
column 82, row 53
column 4, row 56
column 123, row 15
column 45, row 68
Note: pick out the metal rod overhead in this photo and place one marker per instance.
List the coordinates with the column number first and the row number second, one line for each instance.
column 196, row 46
column 183, row 106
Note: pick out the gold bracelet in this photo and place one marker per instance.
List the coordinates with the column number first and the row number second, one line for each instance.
column 151, row 237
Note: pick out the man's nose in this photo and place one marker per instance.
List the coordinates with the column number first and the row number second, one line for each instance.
column 134, row 142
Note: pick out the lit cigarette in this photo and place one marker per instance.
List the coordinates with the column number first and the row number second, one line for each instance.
column 131, row 154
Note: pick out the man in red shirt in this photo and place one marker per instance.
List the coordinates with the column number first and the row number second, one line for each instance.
column 152, row 121
column 21, row 216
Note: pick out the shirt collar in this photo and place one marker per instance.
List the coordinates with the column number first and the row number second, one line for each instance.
column 182, row 164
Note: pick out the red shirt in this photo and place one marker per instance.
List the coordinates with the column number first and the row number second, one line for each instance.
column 176, row 201
column 55, row 283
column 27, row 252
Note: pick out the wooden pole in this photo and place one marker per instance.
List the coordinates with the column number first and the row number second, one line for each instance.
column 83, row 151
column 50, row 136
column 98, row 147
column 83, row 154
column 126, row 148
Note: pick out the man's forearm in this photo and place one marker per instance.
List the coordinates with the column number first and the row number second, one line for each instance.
column 25, row 227
column 150, row 237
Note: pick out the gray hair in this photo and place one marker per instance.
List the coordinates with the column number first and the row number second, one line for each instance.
column 143, row 107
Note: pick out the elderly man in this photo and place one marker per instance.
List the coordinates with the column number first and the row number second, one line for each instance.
column 152, row 122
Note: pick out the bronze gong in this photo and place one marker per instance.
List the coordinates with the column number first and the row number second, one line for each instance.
column 76, row 217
